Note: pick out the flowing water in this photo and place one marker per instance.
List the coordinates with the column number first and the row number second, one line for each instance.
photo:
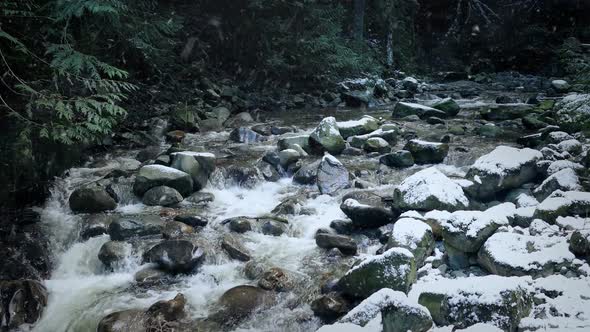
column 82, row 291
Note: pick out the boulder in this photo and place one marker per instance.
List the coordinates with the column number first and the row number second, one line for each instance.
column 512, row 254
column 502, row 169
column 272, row 227
column 156, row 175
column 276, row 279
column 414, row 235
column 91, row 200
column 113, row 253
column 563, row 203
column 165, row 313
column 177, row 256
column 429, row 189
column 239, row 224
column 564, row 180
column 364, row 125
column 502, row 112
column 332, row 176
column 447, row 105
column 330, row 307
column 389, row 135
column 239, row 302
column 131, row 320
column 307, row 174
column 401, row 158
column 288, row 157
column 96, row 225
column 427, row 152
column 462, row 302
column 403, row 109
column 560, row 85
column 326, row 137
column 162, row 196
column 176, row 230
column 395, row 269
column 367, row 216
column 199, row 165
column 573, row 111
column 22, row 303
column 234, row 248
column 127, row 228
column 286, row 142
column 345, row 244
column 377, row 144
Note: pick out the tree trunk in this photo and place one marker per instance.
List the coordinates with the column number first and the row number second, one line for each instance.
column 358, row 23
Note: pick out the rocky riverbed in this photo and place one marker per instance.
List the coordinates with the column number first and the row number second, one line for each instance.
column 457, row 208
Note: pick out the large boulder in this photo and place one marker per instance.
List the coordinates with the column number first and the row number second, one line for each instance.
column 332, row 175
column 157, row 175
column 447, row 105
column 377, row 144
column 127, row 228
column 364, row 125
column 307, row 174
column 403, row 109
column 574, row 111
column 91, row 200
column 131, row 320
column 162, row 196
column 22, row 302
column 502, row 169
column 344, row 243
column 401, row 158
column 427, row 152
column 234, row 248
column 326, row 137
column 395, row 269
column 564, row 180
column 502, row 112
column 511, row 254
column 429, row 189
column 113, row 253
column 462, row 302
column 177, row 256
column 287, row 141
column 414, row 235
column 239, row 302
column 563, row 203
column 367, row 210
column 199, row 165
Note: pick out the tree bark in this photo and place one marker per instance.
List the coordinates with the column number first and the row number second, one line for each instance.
column 358, row 24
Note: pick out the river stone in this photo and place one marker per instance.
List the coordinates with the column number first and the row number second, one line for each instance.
column 246, row 135
column 414, row 235
column 234, row 248
column 326, row 137
column 427, row 152
column 377, row 144
column 286, row 142
column 176, row 229
column 580, row 244
column 364, row 125
column 463, row 302
column 272, row 227
column 131, row 320
column 401, row 158
column 113, row 253
column 560, row 85
column 502, row 112
column 191, row 220
column 268, row 171
column 162, row 196
column 502, row 169
column 177, row 256
column 239, row 119
column 239, row 302
column 395, row 269
column 403, row 109
column 127, row 228
column 330, row 307
column 91, row 200
column 564, row 180
column 332, row 175
column 307, row 174
column 165, row 313
column 367, row 216
column 563, row 203
column 511, row 254
column 239, row 224
column 447, row 105
column 288, row 157
column 429, row 189
column 150, row 275
column 22, row 302
column 96, row 225
column 276, row 279
column 345, row 244
column 199, row 165
column 389, row 135
column 156, row 175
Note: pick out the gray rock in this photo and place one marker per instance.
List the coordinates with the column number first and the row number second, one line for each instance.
column 199, row 165
column 401, row 158
column 234, row 248
column 501, row 112
column 162, row 196
column 364, row 125
column 95, row 225
column 272, row 227
column 288, row 156
column 332, row 175
column 239, row 302
column 287, row 141
column 201, row 198
column 239, row 224
column 113, row 253
column 22, row 303
column 131, row 320
column 156, row 175
column 447, row 105
column 403, row 109
column 91, row 200
column 307, row 174
column 371, row 215
column 427, row 152
column 123, row 229
column 176, row 230
column 376, row 144
column 326, row 137
column 177, row 256
column 344, row 243
column 246, row 135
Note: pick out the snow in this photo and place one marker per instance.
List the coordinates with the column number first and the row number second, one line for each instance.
column 569, row 145
column 481, row 327
column 371, row 306
column 161, row 169
column 437, row 215
column 560, row 199
column 426, row 143
column 527, row 252
column 472, row 222
column 411, row 214
column 523, row 200
column 566, row 178
column 504, row 159
column 482, row 290
column 408, row 232
column 383, row 257
column 559, row 136
column 431, row 182
column 558, row 165
column 356, row 123
column 195, row 154
column 417, row 106
column 573, row 223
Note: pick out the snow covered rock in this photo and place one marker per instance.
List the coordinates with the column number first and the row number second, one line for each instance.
column 332, row 175
column 580, row 243
column 563, row 203
column 367, row 215
column 501, row 301
column 429, row 189
column 414, row 235
column 326, row 137
column 564, row 180
column 364, row 125
column 403, row 109
column 502, row 169
column 395, row 269
column 156, row 175
column 559, row 165
column 398, row 313
column 377, row 144
column 401, row 158
column 427, row 152
column 571, row 146
column 511, row 254
column 199, row 165
column 389, row 135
